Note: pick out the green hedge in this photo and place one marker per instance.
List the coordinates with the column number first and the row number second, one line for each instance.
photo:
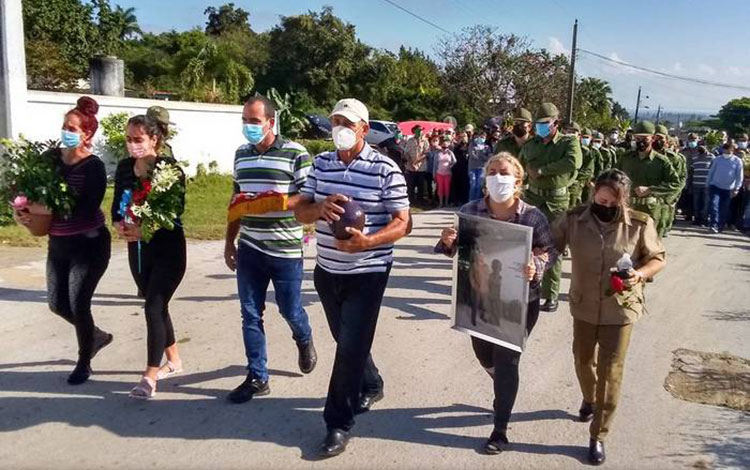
column 314, row 147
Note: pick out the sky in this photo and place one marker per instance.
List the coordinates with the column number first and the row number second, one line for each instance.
column 704, row 39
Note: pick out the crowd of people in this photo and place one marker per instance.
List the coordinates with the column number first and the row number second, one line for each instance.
column 443, row 167
column 597, row 198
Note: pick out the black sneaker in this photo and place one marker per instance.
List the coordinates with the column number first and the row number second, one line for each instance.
column 102, row 339
column 80, row 374
column 248, row 389
column 549, row 305
column 496, row 443
column 308, row 357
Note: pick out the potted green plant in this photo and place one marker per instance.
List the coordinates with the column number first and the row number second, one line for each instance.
column 30, row 182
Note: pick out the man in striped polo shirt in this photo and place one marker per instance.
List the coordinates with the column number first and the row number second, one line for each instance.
column 351, row 275
column 270, row 244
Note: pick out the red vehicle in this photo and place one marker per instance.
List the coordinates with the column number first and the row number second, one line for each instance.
column 427, row 126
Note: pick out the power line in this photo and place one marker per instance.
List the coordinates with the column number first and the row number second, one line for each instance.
column 420, row 18
column 664, row 74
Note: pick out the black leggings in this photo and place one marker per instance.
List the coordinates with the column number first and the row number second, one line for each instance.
column 75, row 264
column 162, row 265
column 505, row 362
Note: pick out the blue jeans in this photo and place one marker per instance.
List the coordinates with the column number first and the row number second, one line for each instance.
column 718, row 200
column 700, row 204
column 475, row 184
column 255, row 270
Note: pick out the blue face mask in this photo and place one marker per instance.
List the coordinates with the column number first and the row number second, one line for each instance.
column 542, row 129
column 692, row 144
column 70, row 140
column 253, row 133
column 585, row 141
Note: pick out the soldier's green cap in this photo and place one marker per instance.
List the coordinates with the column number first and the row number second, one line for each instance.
column 586, row 131
column 644, row 128
column 547, row 112
column 661, row 129
column 522, row 114
column 597, row 135
column 573, row 125
column 160, row 114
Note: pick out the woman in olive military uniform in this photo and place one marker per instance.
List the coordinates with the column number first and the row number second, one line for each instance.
column 603, row 317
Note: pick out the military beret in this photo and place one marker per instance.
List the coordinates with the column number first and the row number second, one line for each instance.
column 547, row 112
column 522, row 114
column 644, row 128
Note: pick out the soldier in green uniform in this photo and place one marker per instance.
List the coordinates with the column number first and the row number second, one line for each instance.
column 551, row 161
column 663, row 145
column 602, row 162
column 161, row 115
column 653, row 177
column 520, row 135
column 579, row 190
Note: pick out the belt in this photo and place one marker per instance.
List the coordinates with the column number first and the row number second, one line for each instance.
column 549, row 192
column 644, row 201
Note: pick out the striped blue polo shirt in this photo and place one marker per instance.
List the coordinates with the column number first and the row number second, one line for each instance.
column 282, row 168
column 377, row 184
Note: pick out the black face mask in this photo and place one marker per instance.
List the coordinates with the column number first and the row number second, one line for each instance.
column 641, row 145
column 519, row 130
column 658, row 145
column 604, row 213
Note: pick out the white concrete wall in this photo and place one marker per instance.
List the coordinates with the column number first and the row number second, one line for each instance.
column 206, row 132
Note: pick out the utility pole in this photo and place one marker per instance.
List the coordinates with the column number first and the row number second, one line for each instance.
column 637, row 107
column 12, row 69
column 572, row 78
column 658, row 113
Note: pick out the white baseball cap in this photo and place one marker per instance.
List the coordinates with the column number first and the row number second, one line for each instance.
column 352, row 109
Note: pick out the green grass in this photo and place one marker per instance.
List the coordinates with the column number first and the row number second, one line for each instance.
column 204, row 219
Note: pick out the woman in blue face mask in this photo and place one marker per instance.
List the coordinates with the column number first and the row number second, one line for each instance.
column 79, row 244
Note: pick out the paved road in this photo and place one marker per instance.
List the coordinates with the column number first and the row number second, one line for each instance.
column 437, row 410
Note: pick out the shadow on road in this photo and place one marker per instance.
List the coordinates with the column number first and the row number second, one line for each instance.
column 205, row 414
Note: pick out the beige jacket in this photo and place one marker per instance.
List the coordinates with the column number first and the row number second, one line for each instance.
column 594, row 249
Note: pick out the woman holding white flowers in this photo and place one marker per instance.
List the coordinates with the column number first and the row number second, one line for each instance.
column 149, row 199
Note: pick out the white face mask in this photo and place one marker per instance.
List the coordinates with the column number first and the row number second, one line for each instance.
column 344, row 138
column 501, row 187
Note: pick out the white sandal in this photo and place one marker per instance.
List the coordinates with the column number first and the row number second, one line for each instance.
column 168, row 370
column 145, row 389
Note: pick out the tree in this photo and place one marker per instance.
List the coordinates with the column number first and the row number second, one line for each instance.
column 225, row 19
column 734, row 116
column 47, row 68
column 314, row 52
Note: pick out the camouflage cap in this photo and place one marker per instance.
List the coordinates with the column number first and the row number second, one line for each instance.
column 597, row 135
column 547, row 112
column 586, row 131
column 573, row 125
column 160, row 114
column 523, row 115
column 661, row 129
column 644, row 128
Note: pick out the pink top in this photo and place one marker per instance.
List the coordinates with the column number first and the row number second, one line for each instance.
column 444, row 160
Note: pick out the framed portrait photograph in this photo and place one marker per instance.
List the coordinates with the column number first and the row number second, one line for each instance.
column 490, row 293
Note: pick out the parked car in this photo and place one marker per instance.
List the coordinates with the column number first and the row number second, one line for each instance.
column 319, row 127
column 381, row 130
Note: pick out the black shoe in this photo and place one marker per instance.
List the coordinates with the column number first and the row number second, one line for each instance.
column 248, row 389
column 586, row 413
column 596, row 452
column 307, row 357
column 367, row 400
column 334, row 443
column 102, row 339
column 550, row 305
column 496, row 443
column 80, row 374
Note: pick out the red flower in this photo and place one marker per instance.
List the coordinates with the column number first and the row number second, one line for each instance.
column 617, row 284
